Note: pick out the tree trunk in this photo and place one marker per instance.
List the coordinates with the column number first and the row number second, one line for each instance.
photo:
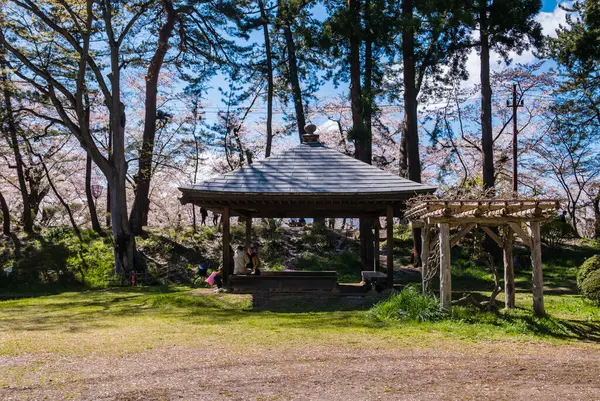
column 573, row 214
column 90, row 198
column 293, row 77
column 403, row 164
column 354, row 60
column 14, row 144
column 487, row 138
column 141, row 204
column 358, row 127
column 411, row 134
column 5, row 216
column 368, row 96
column 123, row 237
column 265, row 23
column 108, row 214
column 596, row 204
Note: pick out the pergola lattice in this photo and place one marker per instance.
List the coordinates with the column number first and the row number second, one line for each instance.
column 520, row 217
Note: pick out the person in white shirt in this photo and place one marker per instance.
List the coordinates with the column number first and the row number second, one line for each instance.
column 240, row 260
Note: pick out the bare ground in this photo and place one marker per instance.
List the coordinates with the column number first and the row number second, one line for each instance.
column 516, row 371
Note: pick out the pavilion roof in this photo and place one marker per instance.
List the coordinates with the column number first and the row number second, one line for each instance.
column 308, row 169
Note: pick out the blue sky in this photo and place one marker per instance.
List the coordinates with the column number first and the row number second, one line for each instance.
column 548, row 5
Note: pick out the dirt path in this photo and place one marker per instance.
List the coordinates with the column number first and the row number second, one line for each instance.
column 513, row 371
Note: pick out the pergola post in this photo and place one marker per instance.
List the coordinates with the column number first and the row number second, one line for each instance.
column 376, row 231
column 248, row 232
column 536, row 269
column 390, row 245
column 425, row 234
column 445, row 277
column 226, row 241
column 509, row 271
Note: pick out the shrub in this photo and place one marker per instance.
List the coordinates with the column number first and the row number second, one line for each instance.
column 590, row 287
column 408, row 305
column 346, row 263
column 590, row 265
column 555, row 232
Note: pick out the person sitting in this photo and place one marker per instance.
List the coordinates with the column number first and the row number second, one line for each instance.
column 240, row 261
column 254, row 263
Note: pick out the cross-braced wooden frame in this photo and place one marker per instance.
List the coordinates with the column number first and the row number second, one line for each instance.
column 520, row 217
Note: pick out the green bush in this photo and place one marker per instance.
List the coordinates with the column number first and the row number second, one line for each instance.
column 407, row 305
column 346, row 264
column 590, row 287
column 555, row 232
column 590, row 265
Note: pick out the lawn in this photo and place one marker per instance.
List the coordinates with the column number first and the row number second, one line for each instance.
column 177, row 343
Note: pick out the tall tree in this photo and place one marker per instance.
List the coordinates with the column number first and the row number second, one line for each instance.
column 58, row 70
column 576, row 49
column 286, row 15
column 503, row 26
column 141, row 203
column 9, row 130
column 269, row 73
column 431, row 37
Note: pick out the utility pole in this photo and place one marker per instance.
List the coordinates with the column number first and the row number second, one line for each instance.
column 514, row 106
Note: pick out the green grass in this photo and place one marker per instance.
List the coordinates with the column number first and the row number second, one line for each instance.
column 72, row 320
column 131, row 320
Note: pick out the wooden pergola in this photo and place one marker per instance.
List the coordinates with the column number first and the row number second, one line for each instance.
column 311, row 181
column 501, row 220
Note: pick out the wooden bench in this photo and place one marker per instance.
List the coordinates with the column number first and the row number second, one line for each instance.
column 285, row 281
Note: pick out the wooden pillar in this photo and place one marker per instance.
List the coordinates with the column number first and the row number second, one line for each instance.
column 509, row 270
column 425, row 235
column 226, row 241
column 390, row 245
column 248, row 232
column 375, row 247
column 536, row 269
column 445, row 278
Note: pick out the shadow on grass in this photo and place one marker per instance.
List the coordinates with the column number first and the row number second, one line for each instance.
column 99, row 309
column 567, row 329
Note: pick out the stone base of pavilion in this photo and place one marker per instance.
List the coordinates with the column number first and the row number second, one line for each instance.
column 302, row 282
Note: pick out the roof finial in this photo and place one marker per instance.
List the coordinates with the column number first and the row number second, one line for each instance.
column 310, row 135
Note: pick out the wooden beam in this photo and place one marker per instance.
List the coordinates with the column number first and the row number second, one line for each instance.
column 483, row 220
column 458, row 236
column 445, row 212
column 390, row 245
column 537, row 277
column 533, row 212
column 521, row 233
column 445, row 275
column 475, row 212
column 509, row 270
column 425, row 250
column 493, row 236
column 226, row 242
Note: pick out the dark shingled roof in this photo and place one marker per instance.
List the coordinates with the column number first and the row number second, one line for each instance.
column 310, row 168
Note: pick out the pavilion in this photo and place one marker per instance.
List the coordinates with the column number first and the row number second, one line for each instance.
column 309, row 180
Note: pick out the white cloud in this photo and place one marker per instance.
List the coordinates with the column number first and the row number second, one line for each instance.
column 550, row 21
